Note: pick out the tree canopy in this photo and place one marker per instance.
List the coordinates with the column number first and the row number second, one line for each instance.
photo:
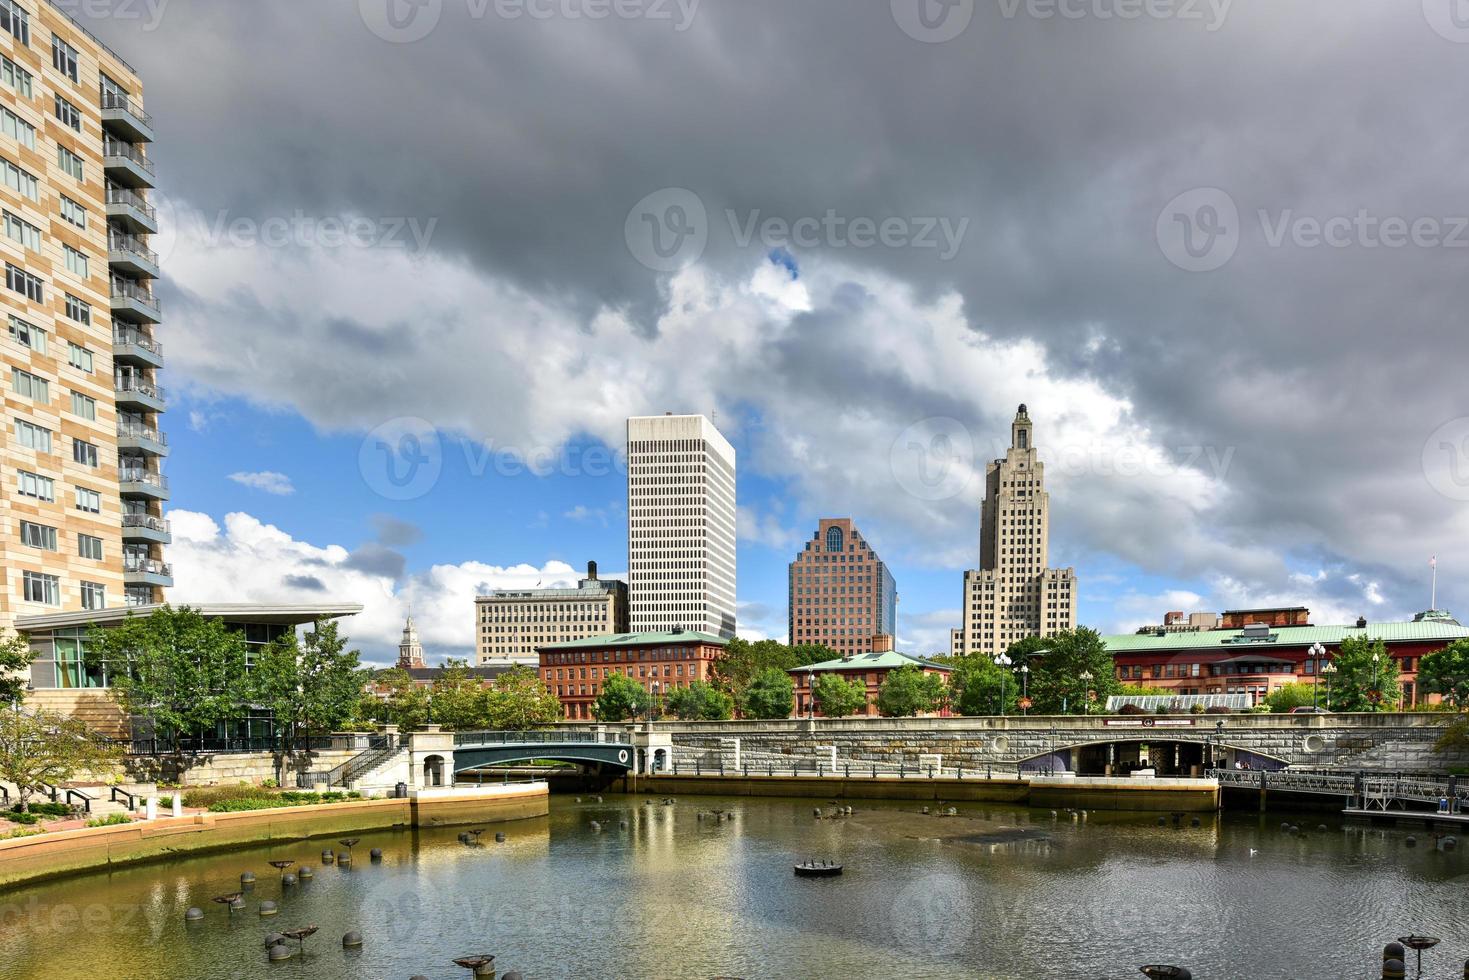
column 622, row 699
column 1295, row 695
column 405, row 703
column 1363, row 683
column 519, row 701
column 1446, row 672
column 1056, row 683
column 837, row 697
column 743, row 660
column 910, row 691
column 699, row 701
column 44, row 748
column 770, row 694
column 310, row 685
column 15, row 661
column 978, row 684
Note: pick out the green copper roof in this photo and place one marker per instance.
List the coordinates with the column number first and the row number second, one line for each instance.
column 1233, row 642
column 887, row 660
column 637, row 640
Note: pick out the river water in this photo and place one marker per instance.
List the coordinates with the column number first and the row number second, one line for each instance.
column 993, row 892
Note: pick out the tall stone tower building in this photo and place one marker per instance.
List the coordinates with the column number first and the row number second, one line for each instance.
column 410, row 651
column 680, row 525
column 1013, row 594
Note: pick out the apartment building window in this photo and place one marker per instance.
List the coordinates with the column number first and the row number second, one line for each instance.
column 73, row 212
column 89, row 546
column 69, row 114
column 79, row 357
column 84, row 452
column 29, row 386
column 27, row 335
column 42, row 588
column 24, row 283
column 32, row 436
column 76, row 262
column 37, row 536
column 112, row 93
column 78, row 309
column 16, row 77
column 21, row 181
column 13, row 18
column 34, row 485
column 17, row 128
column 89, row 500
column 94, row 595
column 64, row 58
column 22, row 231
column 83, row 405
column 69, row 162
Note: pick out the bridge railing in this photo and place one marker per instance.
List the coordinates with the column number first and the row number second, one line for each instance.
column 540, row 737
column 1378, row 786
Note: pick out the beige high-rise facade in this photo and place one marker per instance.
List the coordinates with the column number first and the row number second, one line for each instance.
column 680, row 525
column 512, row 624
column 1013, row 594
column 81, row 492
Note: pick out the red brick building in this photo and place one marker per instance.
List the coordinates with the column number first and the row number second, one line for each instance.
column 1258, row 659
column 660, row 662
column 1238, row 619
column 871, row 668
column 841, row 592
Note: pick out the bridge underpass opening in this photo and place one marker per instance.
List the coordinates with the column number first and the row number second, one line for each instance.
column 1163, row 757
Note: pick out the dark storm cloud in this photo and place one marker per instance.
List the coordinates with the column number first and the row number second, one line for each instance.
column 374, row 559
column 395, row 533
column 308, row 583
column 1324, row 368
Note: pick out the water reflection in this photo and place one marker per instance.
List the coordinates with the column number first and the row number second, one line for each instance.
column 991, row 892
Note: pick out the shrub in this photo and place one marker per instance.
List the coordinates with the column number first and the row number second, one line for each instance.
column 1218, row 709
column 47, row 809
column 1132, row 709
column 23, row 818
column 112, row 820
column 22, row 832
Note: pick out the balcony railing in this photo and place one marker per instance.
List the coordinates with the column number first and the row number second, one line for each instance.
column 135, row 338
column 121, row 195
column 116, row 100
column 121, row 148
column 143, row 476
column 120, row 242
column 147, row 521
column 150, row 566
column 145, row 388
column 127, row 289
column 127, row 431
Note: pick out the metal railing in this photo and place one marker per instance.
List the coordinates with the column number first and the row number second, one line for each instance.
column 223, row 746
column 146, row 521
column 539, row 738
column 127, row 289
column 128, row 198
column 116, row 100
column 135, row 338
column 380, row 748
column 113, row 147
column 118, row 241
column 134, row 431
column 143, row 476
column 148, row 566
column 129, row 800
column 135, row 384
column 1381, row 788
column 848, row 770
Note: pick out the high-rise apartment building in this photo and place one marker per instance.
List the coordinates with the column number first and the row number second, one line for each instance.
column 512, row 624
column 1013, row 594
column 680, row 525
column 841, row 593
column 81, row 492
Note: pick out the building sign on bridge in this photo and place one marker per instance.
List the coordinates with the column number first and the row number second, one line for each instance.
column 1143, row 721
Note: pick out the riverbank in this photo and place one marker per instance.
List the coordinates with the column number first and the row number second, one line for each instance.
column 1089, row 793
column 66, row 852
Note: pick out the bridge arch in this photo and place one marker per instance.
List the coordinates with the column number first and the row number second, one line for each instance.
column 1166, row 752
column 477, row 750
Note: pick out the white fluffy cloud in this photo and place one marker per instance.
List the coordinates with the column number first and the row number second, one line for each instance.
column 250, row 561
column 268, row 481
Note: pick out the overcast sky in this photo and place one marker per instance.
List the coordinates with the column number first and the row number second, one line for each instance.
column 1218, row 248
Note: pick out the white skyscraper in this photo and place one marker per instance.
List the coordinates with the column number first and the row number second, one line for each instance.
column 680, row 525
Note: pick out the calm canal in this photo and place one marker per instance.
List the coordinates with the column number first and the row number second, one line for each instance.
column 994, row 892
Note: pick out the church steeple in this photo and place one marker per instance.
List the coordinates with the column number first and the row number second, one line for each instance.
column 1020, row 430
column 410, row 651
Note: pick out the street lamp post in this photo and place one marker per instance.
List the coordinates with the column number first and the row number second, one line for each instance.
column 1086, row 692
column 1025, row 689
column 1003, row 662
column 811, row 693
column 1374, row 693
column 1315, row 653
column 1329, row 669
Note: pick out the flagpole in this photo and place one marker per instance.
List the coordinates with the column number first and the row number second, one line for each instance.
column 1433, row 595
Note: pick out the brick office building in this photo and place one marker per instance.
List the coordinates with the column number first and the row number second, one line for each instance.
column 660, row 662
column 841, row 592
column 871, row 668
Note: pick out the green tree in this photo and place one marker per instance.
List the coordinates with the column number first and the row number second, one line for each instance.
column 311, row 685
column 838, row 697
column 1455, row 738
column 699, row 701
column 910, row 691
column 1297, row 695
column 519, row 701
column 1056, row 683
column 1366, row 676
column 622, row 699
column 977, row 685
column 457, row 700
column 403, row 702
column 1026, row 647
column 15, row 662
column 184, row 672
column 45, row 748
column 1446, row 672
column 770, row 694
column 742, row 660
